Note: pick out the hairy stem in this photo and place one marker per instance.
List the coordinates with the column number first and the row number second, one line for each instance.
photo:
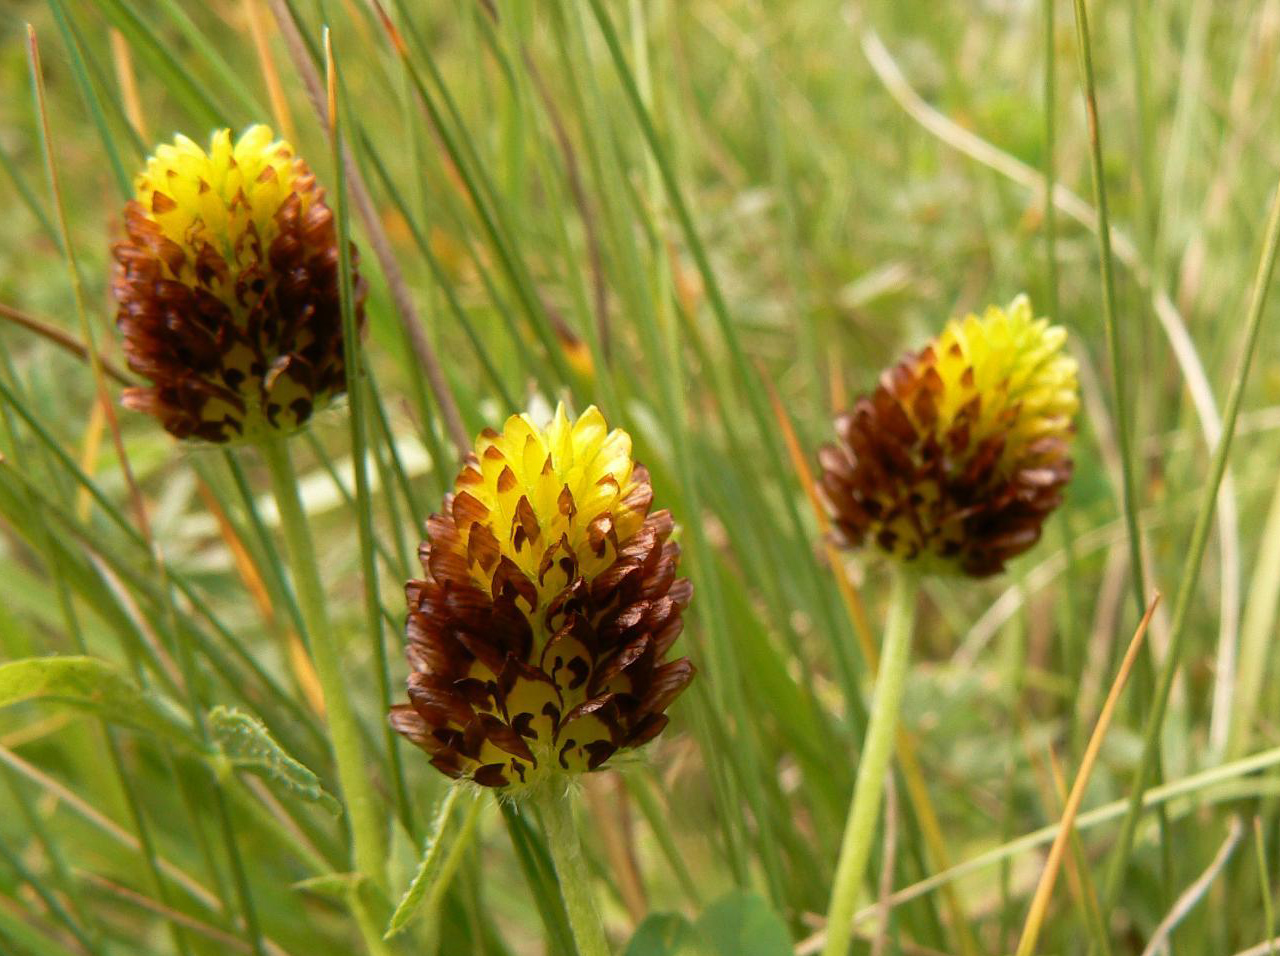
column 571, row 870
column 344, row 732
column 868, row 789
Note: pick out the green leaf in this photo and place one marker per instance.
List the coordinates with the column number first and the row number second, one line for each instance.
column 743, row 924
column 430, row 870
column 739, row 924
column 403, row 855
column 248, row 745
column 98, row 687
column 334, row 886
column 663, row 934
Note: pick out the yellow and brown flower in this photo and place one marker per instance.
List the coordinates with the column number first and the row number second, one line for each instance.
column 227, row 285
column 538, row 636
column 962, row 451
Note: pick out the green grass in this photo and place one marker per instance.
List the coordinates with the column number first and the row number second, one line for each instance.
column 658, row 207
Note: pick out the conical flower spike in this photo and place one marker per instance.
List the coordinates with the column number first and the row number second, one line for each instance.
column 956, row 459
column 227, row 284
column 538, row 637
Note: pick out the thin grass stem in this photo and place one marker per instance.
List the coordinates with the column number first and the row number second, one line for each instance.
column 1119, row 380
column 1066, row 826
column 358, row 418
column 1189, row 583
column 1264, row 885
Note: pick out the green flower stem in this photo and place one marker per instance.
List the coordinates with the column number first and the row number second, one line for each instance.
column 868, row 789
column 344, row 732
column 571, row 870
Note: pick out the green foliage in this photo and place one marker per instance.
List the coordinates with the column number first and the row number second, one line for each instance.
column 96, row 687
column 430, row 879
column 246, row 744
column 743, row 924
column 662, row 934
column 665, row 208
column 737, row 924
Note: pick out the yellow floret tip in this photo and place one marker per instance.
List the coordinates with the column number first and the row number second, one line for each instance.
column 535, row 464
column 1021, row 372
column 222, row 195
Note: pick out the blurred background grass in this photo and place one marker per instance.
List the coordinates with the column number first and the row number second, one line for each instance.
column 824, row 185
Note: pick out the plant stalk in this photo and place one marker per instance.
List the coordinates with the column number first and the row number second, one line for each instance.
column 868, row 789
column 571, row 871
column 344, row 732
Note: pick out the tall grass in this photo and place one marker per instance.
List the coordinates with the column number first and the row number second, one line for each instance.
column 676, row 211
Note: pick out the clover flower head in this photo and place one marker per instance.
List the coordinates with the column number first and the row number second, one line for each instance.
column 961, row 452
column 227, row 287
column 538, row 635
